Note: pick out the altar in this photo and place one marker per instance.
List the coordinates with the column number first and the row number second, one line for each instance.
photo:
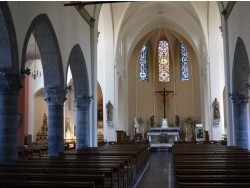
column 160, row 137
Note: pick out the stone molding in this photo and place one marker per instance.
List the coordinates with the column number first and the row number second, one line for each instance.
column 239, row 98
column 10, row 82
column 82, row 103
column 55, row 96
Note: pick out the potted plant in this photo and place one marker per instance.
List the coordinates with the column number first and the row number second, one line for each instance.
column 224, row 137
column 224, row 141
column 190, row 121
column 140, row 121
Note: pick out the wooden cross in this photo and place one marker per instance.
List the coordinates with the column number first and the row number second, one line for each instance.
column 164, row 94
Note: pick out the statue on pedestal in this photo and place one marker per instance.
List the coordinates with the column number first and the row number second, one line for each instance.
column 216, row 110
column 109, row 108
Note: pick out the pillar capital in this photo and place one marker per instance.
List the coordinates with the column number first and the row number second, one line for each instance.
column 55, row 96
column 10, row 82
column 83, row 102
column 239, row 98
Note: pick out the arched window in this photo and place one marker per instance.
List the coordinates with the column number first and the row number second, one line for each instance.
column 184, row 63
column 163, row 55
column 144, row 63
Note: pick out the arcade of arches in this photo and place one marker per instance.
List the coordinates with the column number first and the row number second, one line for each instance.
column 67, row 62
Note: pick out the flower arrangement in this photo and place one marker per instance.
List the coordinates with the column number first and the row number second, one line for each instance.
column 164, row 138
column 190, row 121
column 140, row 121
column 224, row 137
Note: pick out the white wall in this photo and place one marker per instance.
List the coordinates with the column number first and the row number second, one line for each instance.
column 216, row 74
column 105, row 69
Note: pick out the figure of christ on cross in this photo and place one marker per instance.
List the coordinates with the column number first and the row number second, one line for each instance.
column 164, row 94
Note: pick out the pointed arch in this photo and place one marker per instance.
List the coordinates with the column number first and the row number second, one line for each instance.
column 163, row 55
column 79, row 71
column 47, row 43
column 8, row 43
column 240, row 97
column 144, row 63
column 240, row 67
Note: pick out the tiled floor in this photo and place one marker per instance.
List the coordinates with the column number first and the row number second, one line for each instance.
column 158, row 173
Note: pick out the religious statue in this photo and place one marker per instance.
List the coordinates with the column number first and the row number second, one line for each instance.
column 216, row 109
column 109, row 108
column 67, row 127
column 45, row 119
column 177, row 120
column 136, row 124
column 152, row 121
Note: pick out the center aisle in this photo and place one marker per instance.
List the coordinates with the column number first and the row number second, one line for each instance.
column 159, row 172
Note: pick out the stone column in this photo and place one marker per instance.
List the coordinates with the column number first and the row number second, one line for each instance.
column 55, row 99
column 82, row 105
column 10, row 84
column 240, row 120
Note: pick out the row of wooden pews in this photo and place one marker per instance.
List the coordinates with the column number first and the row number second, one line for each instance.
column 210, row 165
column 114, row 166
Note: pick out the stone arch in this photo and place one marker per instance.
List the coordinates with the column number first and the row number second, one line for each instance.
column 47, row 43
column 53, row 74
column 78, row 68
column 79, row 71
column 10, row 83
column 8, row 42
column 240, row 68
column 240, row 95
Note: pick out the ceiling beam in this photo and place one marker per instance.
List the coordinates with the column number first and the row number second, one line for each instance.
column 83, row 3
column 79, row 5
column 226, row 12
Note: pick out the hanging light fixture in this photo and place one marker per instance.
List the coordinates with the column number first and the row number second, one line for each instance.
column 35, row 73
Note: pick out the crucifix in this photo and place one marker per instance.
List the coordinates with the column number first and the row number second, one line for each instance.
column 164, row 94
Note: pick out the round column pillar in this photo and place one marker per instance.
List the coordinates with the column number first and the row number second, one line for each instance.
column 10, row 84
column 55, row 99
column 82, row 105
column 240, row 111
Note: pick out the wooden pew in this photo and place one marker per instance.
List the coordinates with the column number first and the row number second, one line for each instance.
column 45, row 184
column 118, row 166
column 124, row 173
column 139, row 154
column 126, row 161
column 211, row 184
column 99, row 180
column 109, row 178
column 130, row 161
column 210, row 165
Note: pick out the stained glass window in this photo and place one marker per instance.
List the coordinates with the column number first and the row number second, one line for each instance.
column 163, row 55
column 184, row 64
column 144, row 63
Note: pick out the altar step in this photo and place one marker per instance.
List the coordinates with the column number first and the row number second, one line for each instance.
column 161, row 149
